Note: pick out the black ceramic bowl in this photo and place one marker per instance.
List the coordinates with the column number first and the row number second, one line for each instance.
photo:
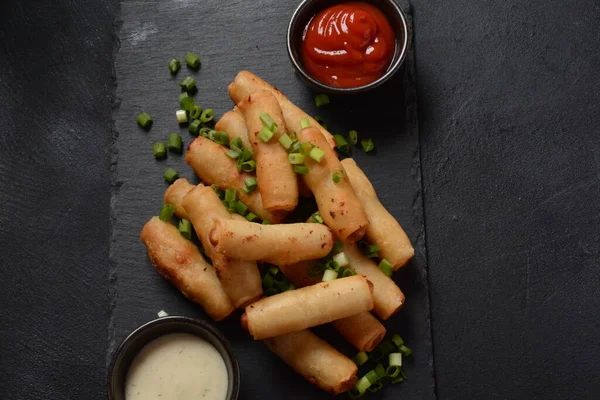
column 117, row 371
column 309, row 8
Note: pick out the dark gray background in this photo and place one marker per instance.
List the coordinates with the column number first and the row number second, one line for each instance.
column 508, row 110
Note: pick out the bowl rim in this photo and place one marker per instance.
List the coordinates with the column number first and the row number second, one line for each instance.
column 358, row 89
column 202, row 325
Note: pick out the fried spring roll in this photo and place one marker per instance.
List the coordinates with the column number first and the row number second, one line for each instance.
column 179, row 261
column 277, row 180
column 174, row 196
column 337, row 203
column 211, row 164
column 310, row 306
column 362, row 330
column 246, row 82
column 387, row 296
column 383, row 228
column 240, row 278
column 234, row 124
column 277, row 244
column 316, row 360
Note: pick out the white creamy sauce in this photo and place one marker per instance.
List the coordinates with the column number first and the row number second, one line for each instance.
column 177, row 366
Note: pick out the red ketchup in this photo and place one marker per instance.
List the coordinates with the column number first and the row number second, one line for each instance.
column 348, row 45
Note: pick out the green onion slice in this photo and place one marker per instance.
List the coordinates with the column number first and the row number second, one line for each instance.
column 372, row 376
column 267, row 281
column 386, row 267
column 405, row 350
column 230, row 195
column 363, row 384
column 171, row 175
column 329, row 275
column 265, row 134
column 174, row 65
column 181, row 116
column 188, row 84
column 251, row 184
column 248, row 166
column 348, row 272
column 159, row 149
column 395, row 359
column 219, row 137
column 194, row 127
column 397, row 340
column 353, row 136
column 195, row 112
column 144, row 120
column 321, row 100
column 218, row 191
column 207, row 115
column 295, row 158
column 341, row 259
column 376, row 387
column 367, row 145
column 237, row 144
column 232, row 154
column 251, row 217
column 304, row 123
column 205, row 132
column 268, row 122
column 192, row 60
column 185, row 228
column 316, row 218
column 360, row 358
column 175, row 142
column 316, row 154
column 341, row 144
column 241, row 208
column 286, row 141
column 338, row 176
column 166, row 212
column 301, row 169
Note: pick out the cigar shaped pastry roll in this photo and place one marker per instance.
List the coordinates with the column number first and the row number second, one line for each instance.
column 240, row 278
column 383, row 229
column 277, row 181
column 316, row 360
column 234, row 124
column 179, row 261
column 213, row 166
column 387, row 297
column 361, row 330
column 337, row 202
column 276, row 244
column 310, row 306
column 246, row 83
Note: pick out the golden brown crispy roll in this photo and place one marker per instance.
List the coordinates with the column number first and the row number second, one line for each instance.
column 234, row 124
column 240, row 278
column 387, row 296
column 362, row 330
column 383, row 228
column 310, row 306
column 277, row 181
column 213, row 166
column 277, row 244
column 316, row 360
column 246, row 83
column 180, row 262
column 337, row 203
column 174, row 196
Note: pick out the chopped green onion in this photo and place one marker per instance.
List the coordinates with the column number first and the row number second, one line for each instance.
column 248, row 166
column 329, row 275
column 405, row 350
column 338, row 176
column 185, row 228
column 341, row 144
column 295, row 158
column 301, row 169
column 360, row 358
column 304, row 123
column 363, row 384
column 171, row 175
column 218, row 191
column 166, row 212
column 174, row 65
column 393, row 371
column 295, row 147
column 348, row 272
column 285, row 141
column 219, row 137
column 205, row 132
column 267, row 281
column 353, row 136
column 246, row 155
column 265, row 222
column 144, row 120
column 333, row 265
column 160, row 150
column 355, row 394
column 194, row 127
column 181, row 116
column 188, row 84
column 372, row 376
column 370, row 250
column 397, row 380
column 397, row 339
column 376, row 387
column 192, row 60
column 237, row 144
column 386, row 267
column 395, row 359
column 230, row 195
column 380, row 371
column 268, row 122
column 321, row 122
column 291, row 287
column 270, row 292
column 232, row 153
column 367, row 145
column 316, row 154
column 337, row 247
column 273, row 270
column 316, row 218
column 341, row 259
column 265, row 134
column 251, row 217
column 241, row 208
column 321, row 100
column 207, row 115
column 315, row 270
column 186, row 101
column 251, row 184
column 195, row 112
column 175, row 142
column 305, row 148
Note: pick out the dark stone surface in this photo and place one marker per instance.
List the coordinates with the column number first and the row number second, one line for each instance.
column 55, row 138
column 509, row 111
column 249, row 35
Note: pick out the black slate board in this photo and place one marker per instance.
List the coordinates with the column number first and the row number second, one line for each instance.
column 229, row 37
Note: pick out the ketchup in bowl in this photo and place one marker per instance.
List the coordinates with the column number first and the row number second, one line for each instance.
column 348, row 45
